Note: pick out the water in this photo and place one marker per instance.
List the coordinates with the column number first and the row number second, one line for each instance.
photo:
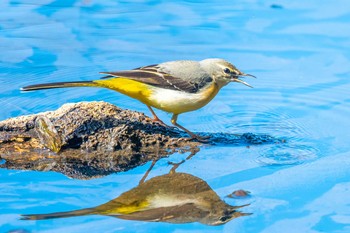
column 299, row 52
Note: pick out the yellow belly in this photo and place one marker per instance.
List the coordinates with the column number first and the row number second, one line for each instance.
column 134, row 89
column 167, row 100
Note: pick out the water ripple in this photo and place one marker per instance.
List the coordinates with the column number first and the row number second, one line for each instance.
column 287, row 154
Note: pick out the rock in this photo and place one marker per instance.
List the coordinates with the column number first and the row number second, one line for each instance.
column 86, row 140
column 239, row 194
column 92, row 139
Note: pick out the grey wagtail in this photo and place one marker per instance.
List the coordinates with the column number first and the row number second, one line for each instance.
column 175, row 87
column 172, row 198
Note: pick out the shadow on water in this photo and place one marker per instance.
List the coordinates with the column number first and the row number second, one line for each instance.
column 241, row 139
column 172, row 198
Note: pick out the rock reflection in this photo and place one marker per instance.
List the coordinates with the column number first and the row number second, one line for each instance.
column 173, row 198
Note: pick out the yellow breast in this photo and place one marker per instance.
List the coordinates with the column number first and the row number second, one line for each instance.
column 172, row 101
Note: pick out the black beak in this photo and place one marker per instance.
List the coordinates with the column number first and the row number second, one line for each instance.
column 236, row 78
column 246, row 75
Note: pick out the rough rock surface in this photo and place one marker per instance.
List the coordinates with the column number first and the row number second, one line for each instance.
column 92, row 139
column 86, row 139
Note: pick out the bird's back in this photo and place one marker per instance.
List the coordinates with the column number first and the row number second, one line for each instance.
column 190, row 71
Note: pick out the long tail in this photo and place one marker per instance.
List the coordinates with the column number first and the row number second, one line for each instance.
column 59, row 85
column 58, row 214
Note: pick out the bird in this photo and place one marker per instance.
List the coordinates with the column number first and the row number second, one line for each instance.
column 172, row 198
column 175, row 86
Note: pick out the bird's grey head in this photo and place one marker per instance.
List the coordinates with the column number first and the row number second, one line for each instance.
column 223, row 72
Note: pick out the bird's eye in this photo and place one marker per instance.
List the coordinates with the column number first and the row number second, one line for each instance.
column 227, row 70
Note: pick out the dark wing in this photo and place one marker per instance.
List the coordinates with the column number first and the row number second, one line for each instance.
column 153, row 76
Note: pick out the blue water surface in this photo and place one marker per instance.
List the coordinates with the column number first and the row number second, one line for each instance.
column 299, row 50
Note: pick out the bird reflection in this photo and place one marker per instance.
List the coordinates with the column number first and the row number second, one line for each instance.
column 173, row 198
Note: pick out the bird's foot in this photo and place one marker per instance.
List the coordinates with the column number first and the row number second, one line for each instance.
column 173, row 163
column 160, row 122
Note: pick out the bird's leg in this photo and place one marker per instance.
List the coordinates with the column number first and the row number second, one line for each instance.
column 194, row 151
column 176, row 165
column 156, row 118
column 148, row 171
column 193, row 136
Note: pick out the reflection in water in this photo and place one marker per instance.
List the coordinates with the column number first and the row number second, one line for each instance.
column 173, row 198
column 239, row 194
column 77, row 163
